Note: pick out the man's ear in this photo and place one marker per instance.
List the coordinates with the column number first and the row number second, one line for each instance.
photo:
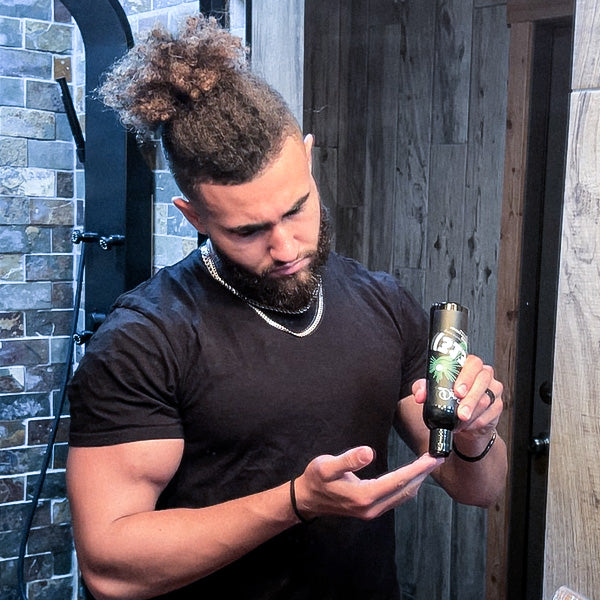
column 190, row 213
column 308, row 146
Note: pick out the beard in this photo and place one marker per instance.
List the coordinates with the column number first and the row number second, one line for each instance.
column 290, row 293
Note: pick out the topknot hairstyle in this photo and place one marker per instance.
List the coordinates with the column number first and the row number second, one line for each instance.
column 219, row 122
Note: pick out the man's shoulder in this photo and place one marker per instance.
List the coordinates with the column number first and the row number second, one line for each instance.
column 377, row 288
column 173, row 287
column 355, row 273
column 159, row 309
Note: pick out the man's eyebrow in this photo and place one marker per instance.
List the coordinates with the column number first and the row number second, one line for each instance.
column 299, row 204
column 263, row 226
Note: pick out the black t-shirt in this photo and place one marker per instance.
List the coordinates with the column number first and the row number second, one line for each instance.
column 181, row 357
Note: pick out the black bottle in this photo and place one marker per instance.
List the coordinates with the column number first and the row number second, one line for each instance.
column 446, row 355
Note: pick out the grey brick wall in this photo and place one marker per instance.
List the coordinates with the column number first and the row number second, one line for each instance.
column 37, row 213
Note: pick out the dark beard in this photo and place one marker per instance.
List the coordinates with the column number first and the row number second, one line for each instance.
column 289, row 293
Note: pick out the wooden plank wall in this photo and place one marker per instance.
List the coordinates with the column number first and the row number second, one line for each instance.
column 407, row 102
column 573, row 518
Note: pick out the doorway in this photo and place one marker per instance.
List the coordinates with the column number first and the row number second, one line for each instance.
column 544, row 185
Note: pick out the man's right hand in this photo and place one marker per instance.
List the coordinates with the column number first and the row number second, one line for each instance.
column 329, row 485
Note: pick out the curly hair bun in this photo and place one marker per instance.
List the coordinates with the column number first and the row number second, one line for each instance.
column 165, row 73
column 218, row 121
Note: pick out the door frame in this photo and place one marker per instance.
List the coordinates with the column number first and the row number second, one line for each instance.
column 522, row 16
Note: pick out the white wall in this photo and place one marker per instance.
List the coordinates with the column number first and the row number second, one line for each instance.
column 573, row 514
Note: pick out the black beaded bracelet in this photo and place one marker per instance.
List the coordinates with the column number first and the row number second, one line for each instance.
column 479, row 456
column 293, row 501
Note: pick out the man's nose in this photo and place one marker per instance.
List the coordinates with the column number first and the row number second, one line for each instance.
column 282, row 245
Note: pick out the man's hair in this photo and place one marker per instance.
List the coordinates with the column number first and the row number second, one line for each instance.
column 219, row 122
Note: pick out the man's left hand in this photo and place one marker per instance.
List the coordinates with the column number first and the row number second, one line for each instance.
column 479, row 395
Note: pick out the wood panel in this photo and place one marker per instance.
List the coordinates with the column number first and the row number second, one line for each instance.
column 278, row 31
column 509, row 274
column 335, row 107
column 324, row 168
column 445, row 223
column 468, row 540
column 382, row 119
column 350, row 230
column 385, row 12
column 352, row 90
column 352, row 126
column 322, row 68
column 413, row 141
column 572, row 519
column 483, row 199
column 453, row 32
column 586, row 67
column 394, row 190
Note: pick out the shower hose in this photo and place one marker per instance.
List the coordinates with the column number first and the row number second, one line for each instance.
column 22, row 585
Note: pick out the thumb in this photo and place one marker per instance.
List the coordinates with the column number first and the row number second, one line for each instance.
column 419, row 390
column 351, row 460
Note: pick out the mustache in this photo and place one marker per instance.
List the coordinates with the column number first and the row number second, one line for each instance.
column 280, row 263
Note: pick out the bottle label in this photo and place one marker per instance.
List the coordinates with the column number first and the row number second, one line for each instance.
column 448, row 353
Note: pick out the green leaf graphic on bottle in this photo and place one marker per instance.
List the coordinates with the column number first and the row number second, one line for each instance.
column 443, row 367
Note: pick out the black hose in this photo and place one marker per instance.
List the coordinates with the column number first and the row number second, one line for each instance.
column 52, row 438
column 72, row 118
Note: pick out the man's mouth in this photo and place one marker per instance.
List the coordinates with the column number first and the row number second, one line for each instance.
column 290, row 268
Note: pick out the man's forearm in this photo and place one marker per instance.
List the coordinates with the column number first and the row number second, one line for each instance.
column 150, row 553
column 477, row 483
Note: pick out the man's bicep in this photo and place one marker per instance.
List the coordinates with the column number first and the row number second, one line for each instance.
column 106, row 483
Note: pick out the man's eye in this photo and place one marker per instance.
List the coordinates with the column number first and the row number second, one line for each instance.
column 247, row 233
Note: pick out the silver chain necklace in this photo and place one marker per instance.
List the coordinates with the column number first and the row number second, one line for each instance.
column 209, row 263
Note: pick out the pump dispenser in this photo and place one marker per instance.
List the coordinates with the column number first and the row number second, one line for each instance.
column 446, row 355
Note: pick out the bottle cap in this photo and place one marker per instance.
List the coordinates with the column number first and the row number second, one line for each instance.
column 440, row 442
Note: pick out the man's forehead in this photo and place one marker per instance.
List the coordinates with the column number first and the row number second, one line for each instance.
column 275, row 191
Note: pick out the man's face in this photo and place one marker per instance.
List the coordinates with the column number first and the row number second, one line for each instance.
column 267, row 229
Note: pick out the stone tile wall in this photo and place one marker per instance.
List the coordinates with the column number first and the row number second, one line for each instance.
column 37, row 213
column 41, row 201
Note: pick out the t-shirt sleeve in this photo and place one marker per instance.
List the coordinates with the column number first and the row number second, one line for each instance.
column 125, row 388
column 414, row 331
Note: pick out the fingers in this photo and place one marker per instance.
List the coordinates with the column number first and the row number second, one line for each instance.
column 475, row 386
column 471, row 387
column 330, row 468
column 404, row 484
column 345, row 494
column 394, row 488
column 419, row 390
column 395, row 481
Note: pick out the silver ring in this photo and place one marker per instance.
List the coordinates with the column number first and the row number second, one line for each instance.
column 491, row 395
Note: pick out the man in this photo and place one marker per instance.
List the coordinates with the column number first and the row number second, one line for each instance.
column 230, row 417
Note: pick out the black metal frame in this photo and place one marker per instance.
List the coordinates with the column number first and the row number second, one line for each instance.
column 217, row 9
column 118, row 182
